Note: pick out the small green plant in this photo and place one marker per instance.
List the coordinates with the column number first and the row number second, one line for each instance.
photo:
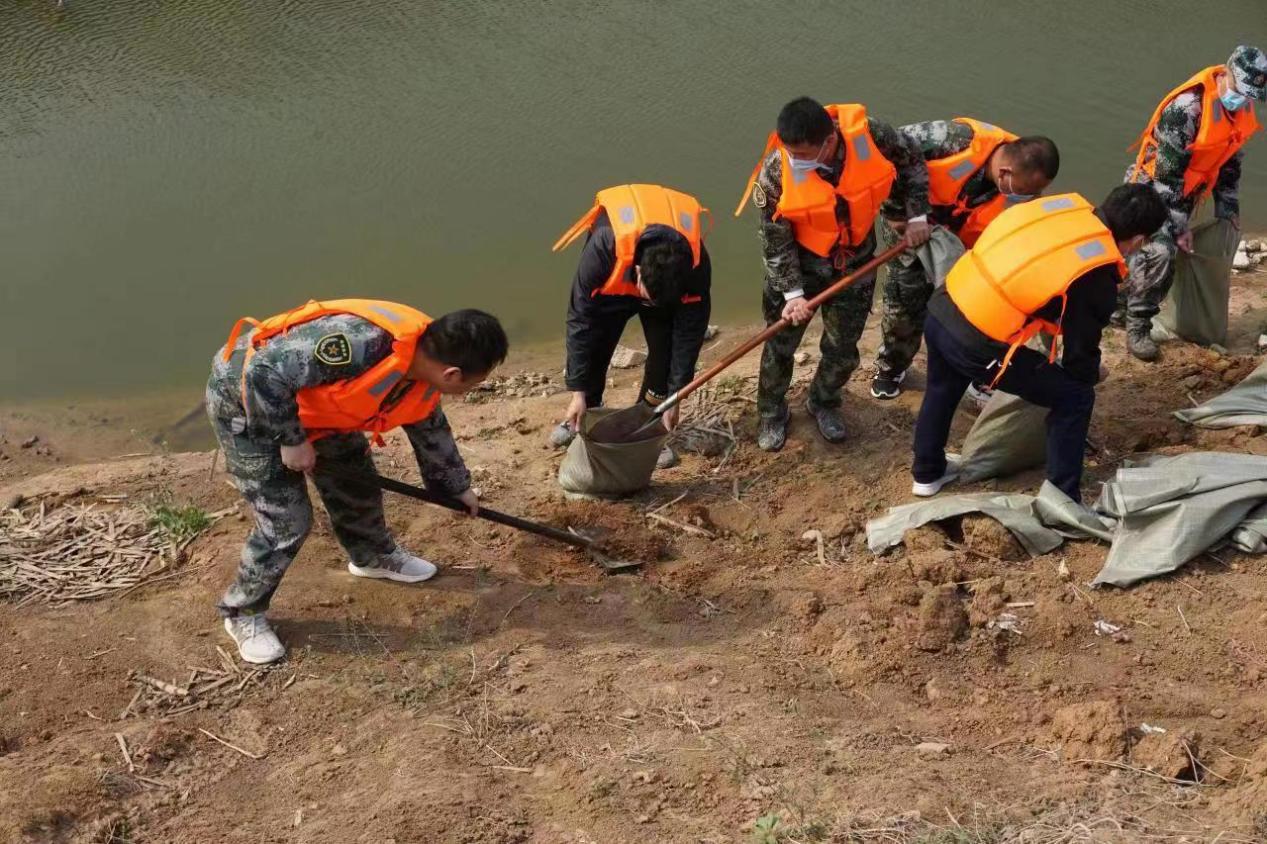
column 766, row 830
column 179, row 522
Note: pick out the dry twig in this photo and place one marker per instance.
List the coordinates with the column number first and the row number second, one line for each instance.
column 248, row 754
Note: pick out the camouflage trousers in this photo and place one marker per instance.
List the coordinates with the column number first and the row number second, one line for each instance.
column 1152, row 271
column 283, row 512
column 844, row 318
column 907, row 290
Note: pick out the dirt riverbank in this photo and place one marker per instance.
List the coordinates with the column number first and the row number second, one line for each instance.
column 747, row 687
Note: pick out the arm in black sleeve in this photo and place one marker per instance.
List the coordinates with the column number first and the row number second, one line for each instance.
column 690, row 324
column 1090, row 304
column 598, row 258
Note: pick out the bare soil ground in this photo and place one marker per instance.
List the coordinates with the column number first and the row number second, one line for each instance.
column 740, row 688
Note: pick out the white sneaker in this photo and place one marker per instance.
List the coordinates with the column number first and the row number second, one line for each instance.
column 399, row 565
column 932, row 488
column 256, row 641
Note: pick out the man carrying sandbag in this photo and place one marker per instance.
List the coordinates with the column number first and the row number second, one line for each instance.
column 1190, row 149
column 975, row 171
column 295, row 394
column 645, row 256
column 1052, row 265
column 818, row 189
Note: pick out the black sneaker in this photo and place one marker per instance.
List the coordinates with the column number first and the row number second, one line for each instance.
column 830, row 423
column 772, row 432
column 885, row 385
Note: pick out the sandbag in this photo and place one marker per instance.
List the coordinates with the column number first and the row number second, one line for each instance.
column 1009, row 436
column 1196, row 309
column 941, row 253
column 596, row 467
column 1244, row 404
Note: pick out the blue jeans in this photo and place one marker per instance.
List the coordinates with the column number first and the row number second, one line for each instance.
column 952, row 366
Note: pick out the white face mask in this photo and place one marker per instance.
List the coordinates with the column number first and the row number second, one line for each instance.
column 807, row 165
column 802, row 165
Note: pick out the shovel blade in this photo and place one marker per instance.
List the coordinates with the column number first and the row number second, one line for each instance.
column 611, row 565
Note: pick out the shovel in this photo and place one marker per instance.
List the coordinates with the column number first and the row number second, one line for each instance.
column 571, row 537
column 757, row 339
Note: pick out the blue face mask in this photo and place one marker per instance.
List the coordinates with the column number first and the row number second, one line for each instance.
column 1233, row 100
column 1014, row 198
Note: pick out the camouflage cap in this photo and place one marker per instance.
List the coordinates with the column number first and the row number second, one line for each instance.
column 1249, row 68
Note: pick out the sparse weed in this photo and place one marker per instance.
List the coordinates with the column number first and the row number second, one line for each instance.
column 179, row 522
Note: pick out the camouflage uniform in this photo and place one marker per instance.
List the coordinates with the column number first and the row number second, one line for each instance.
column 790, row 267
column 907, row 286
column 309, row 355
column 1152, row 268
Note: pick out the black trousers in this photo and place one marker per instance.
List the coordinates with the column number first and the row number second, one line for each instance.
column 657, row 326
column 952, row 366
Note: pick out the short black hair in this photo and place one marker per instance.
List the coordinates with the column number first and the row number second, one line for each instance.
column 471, row 340
column 1133, row 209
column 804, row 121
column 1036, row 154
column 665, row 263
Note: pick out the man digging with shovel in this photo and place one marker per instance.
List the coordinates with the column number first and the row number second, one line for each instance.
column 298, row 392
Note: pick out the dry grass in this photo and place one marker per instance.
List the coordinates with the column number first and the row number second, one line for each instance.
column 79, row 552
column 707, row 426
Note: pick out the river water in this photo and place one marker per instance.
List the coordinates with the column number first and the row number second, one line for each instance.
column 169, row 165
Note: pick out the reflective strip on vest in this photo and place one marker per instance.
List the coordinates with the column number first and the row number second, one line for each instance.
column 1057, row 204
column 1216, row 113
column 963, row 168
column 1087, row 251
column 861, row 148
column 627, row 215
column 686, row 221
column 386, row 383
column 389, row 314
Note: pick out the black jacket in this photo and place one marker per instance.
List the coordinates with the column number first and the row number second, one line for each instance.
column 1092, row 298
column 585, row 310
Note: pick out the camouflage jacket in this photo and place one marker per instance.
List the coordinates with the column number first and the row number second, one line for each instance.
column 1176, row 130
column 937, row 139
column 788, row 266
column 310, row 355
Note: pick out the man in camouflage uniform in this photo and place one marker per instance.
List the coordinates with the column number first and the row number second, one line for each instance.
column 255, row 416
column 794, row 274
column 1152, row 269
column 1020, row 170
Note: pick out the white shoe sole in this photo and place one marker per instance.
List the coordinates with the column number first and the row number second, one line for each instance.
column 252, row 659
column 897, row 392
column 388, row 574
column 930, row 489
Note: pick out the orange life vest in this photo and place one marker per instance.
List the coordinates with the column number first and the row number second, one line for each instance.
column 1028, row 256
column 947, row 177
column 631, row 208
column 375, row 401
column 1219, row 136
column 809, row 202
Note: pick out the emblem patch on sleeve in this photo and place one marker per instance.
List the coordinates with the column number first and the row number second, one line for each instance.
column 334, row 350
column 758, row 196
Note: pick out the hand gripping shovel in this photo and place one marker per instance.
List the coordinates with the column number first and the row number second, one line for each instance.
column 757, row 339
column 575, row 539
